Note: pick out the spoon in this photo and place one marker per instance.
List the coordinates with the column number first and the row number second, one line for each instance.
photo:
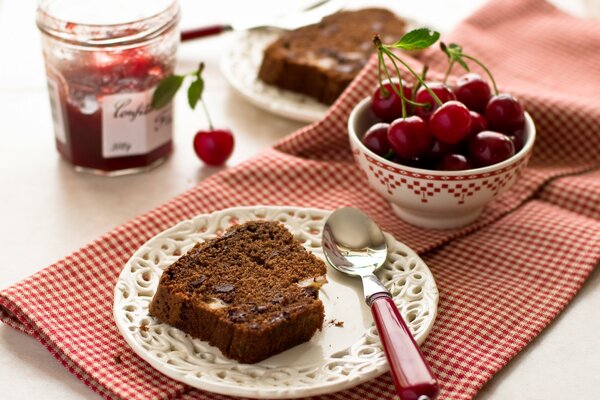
column 307, row 14
column 354, row 245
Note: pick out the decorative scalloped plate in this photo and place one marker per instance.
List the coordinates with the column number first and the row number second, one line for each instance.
column 345, row 353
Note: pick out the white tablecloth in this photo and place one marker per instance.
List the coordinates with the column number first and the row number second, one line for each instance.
column 48, row 210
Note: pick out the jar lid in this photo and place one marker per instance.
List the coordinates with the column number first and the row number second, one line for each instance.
column 106, row 22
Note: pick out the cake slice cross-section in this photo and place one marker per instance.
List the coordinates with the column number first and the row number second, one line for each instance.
column 321, row 60
column 252, row 293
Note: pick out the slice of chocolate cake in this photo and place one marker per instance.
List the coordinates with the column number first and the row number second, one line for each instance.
column 320, row 60
column 252, row 292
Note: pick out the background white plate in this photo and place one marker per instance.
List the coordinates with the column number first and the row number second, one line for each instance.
column 338, row 357
column 241, row 64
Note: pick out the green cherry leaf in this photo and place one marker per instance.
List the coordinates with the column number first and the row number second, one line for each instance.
column 165, row 91
column 455, row 53
column 195, row 91
column 417, row 39
column 463, row 64
column 445, row 49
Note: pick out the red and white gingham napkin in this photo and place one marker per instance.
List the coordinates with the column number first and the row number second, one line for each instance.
column 501, row 280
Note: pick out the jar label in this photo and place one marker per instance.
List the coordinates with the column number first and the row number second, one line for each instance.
column 57, row 112
column 130, row 126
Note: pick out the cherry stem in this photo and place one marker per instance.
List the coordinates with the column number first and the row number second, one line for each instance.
column 409, row 101
column 401, row 91
column 210, row 125
column 418, row 85
column 431, row 93
column 417, row 104
column 450, row 65
column 200, row 69
column 487, row 71
column 382, row 89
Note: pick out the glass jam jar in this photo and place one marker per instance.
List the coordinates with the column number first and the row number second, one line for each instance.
column 104, row 59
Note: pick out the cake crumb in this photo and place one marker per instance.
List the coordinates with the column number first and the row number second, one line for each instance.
column 336, row 323
column 117, row 358
column 144, row 328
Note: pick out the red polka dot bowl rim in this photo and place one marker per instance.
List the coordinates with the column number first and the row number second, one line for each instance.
column 430, row 198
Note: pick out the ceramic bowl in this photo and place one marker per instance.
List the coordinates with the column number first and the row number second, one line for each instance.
column 429, row 198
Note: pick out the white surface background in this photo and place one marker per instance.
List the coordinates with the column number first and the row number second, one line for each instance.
column 48, row 210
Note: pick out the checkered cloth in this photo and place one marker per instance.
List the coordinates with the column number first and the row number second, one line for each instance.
column 501, row 280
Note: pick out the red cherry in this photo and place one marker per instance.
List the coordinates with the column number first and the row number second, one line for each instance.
column 415, row 162
column 443, row 92
column 376, row 139
column 454, row 162
column 488, row 148
column 518, row 139
column 478, row 123
column 505, row 114
column 450, row 123
column 440, row 149
column 214, row 146
column 473, row 92
column 387, row 105
column 409, row 137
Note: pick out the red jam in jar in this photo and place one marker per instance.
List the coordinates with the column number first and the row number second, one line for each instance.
column 103, row 61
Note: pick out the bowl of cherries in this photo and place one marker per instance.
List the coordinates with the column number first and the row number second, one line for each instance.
column 439, row 151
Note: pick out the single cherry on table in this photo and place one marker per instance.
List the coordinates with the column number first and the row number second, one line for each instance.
column 214, row 146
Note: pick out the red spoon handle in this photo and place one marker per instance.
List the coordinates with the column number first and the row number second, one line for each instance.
column 411, row 373
column 204, row 32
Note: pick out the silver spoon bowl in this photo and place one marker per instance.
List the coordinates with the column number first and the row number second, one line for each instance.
column 354, row 245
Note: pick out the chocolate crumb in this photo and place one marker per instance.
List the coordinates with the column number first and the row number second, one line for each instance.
column 284, row 315
column 278, row 298
column 225, row 288
column 117, row 358
column 198, row 281
column 336, row 323
column 144, row 328
column 259, row 309
column 311, row 292
column 237, row 316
